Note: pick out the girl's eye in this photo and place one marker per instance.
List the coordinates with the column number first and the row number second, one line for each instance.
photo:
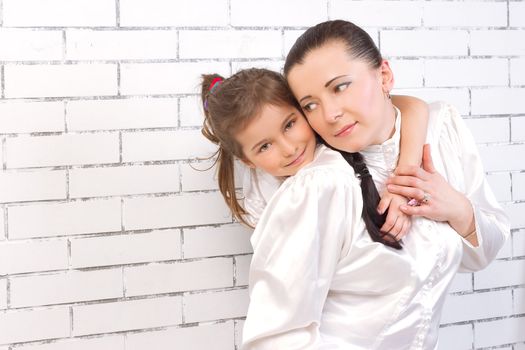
column 310, row 107
column 264, row 147
column 341, row 87
column 289, row 124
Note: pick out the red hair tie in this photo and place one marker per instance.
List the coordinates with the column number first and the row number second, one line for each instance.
column 214, row 83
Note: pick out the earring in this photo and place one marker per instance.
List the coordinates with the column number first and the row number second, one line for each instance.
column 388, row 95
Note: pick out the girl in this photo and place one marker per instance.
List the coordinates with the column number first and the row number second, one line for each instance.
column 320, row 259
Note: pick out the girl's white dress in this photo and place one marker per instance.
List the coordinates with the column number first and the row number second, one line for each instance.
column 317, row 280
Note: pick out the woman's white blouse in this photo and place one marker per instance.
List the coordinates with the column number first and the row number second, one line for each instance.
column 317, row 281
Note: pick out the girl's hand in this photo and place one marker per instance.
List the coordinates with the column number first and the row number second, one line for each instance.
column 397, row 223
column 437, row 199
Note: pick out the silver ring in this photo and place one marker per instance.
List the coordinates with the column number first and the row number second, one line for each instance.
column 426, row 198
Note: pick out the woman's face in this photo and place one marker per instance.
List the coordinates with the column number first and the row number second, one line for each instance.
column 344, row 99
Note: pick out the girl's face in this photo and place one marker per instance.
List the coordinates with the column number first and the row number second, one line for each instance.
column 344, row 99
column 278, row 141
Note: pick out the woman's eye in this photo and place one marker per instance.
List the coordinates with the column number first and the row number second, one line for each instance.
column 309, row 107
column 341, row 87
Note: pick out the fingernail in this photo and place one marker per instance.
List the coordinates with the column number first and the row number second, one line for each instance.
column 403, row 207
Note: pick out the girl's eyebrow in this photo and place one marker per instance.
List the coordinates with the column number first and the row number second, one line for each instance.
column 325, row 85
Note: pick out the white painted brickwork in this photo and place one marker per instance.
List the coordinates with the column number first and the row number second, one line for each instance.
column 110, row 239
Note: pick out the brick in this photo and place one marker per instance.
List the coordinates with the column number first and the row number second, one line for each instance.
column 275, row 65
column 121, row 44
column 506, row 331
column 519, row 301
column 160, row 13
column 126, row 315
column 84, row 13
column 497, row 42
column 184, row 210
column 500, row 185
column 242, row 269
column 199, row 176
column 275, row 13
column 517, row 71
column 424, row 42
column 30, row 325
column 2, row 224
column 465, row 14
column 30, row 45
column 125, row 249
column 3, row 293
column 502, row 157
column 455, row 337
column 509, row 101
column 166, row 78
column 25, row 117
column 466, row 307
column 179, row 276
column 217, row 336
column 103, row 343
column 32, row 185
column 385, row 13
column 516, row 14
column 112, row 181
column 515, row 212
column 66, row 149
column 501, row 274
column 215, row 305
column 231, row 44
column 458, row 97
column 518, row 128
column 165, row 145
column 64, row 218
column 518, row 240
column 461, row 282
column 466, row 72
column 33, row 256
column 216, row 241
column 518, row 186
column 239, row 325
column 72, row 286
column 499, row 129
column 131, row 113
column 60, row 80
column 191, row 111
column 407, row 73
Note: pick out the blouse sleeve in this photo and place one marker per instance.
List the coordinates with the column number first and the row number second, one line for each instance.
column 492, row 223
column 297, row 245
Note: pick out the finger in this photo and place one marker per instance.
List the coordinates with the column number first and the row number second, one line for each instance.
column 428, row 164
column 412, row 171
column 408, row 192
column 398, row 226
column 403, row 180
column 384, row 203
column 404, row 230
column 390, row 221
column 414, row 211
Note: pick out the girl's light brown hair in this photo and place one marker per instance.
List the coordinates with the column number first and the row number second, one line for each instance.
column 228, row 108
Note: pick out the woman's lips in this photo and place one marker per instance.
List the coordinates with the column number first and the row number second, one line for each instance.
column 345, row 130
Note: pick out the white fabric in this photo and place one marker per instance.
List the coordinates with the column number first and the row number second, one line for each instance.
column 317, row 281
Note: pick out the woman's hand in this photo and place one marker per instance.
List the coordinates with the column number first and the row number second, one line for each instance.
column 437, row 199
column 397, row 223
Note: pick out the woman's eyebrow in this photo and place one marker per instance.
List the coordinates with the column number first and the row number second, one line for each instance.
column 331, row 80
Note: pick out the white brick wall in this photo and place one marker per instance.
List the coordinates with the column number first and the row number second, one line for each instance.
column 110, row 239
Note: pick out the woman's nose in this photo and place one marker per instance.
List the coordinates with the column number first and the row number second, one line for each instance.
column 331, row 112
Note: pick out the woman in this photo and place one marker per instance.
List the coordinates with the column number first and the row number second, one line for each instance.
column 377, row 298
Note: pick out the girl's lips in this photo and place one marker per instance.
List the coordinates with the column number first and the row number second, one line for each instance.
column 299, row 159
column 345, row 130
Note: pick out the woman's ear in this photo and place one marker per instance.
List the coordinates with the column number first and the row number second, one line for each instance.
column 387, row 76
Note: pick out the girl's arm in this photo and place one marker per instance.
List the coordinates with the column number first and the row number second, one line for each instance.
column 414, row 122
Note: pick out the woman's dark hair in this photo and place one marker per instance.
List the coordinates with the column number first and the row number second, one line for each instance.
column 359, row 45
